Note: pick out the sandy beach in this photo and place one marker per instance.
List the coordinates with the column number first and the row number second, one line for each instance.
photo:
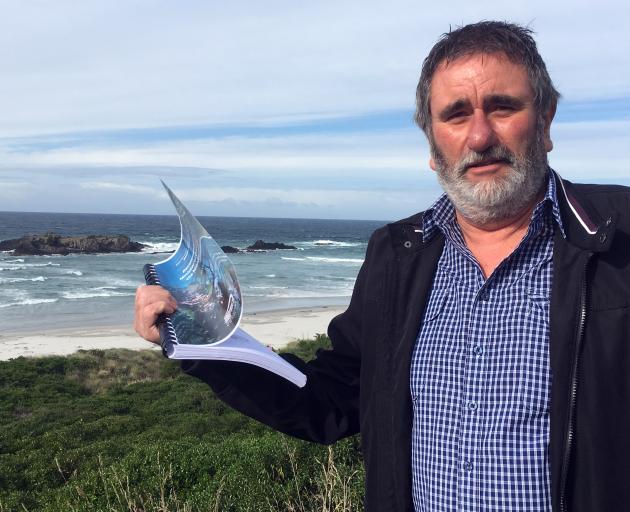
column 276, row 328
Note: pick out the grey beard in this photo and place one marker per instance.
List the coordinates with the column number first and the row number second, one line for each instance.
column 498, row 198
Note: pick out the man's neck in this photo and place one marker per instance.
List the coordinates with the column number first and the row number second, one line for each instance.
column 492, row 242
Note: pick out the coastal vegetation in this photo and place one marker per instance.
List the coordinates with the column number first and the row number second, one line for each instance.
column 121, row 430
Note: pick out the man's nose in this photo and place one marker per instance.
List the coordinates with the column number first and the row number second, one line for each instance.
column 481, row 134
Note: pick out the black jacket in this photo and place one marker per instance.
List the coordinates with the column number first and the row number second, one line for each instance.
column 362, row 384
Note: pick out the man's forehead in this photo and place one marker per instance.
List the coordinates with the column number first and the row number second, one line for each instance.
column 501, row 58
column 495, row 73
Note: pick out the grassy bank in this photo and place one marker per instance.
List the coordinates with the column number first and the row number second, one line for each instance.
column 125, row 430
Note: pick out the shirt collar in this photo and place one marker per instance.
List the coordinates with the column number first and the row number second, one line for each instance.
column 441, row 215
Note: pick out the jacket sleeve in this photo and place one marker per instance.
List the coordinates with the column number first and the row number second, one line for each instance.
column 327, row 407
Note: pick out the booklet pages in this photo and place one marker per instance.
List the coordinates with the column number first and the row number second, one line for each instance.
column 203, row 281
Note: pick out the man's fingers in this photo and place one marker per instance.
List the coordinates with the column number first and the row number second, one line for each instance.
column 151, row 302
column 152, row 335
column 146, row 320
column 152, row 293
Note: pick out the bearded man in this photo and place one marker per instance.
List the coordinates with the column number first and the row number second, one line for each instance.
column 485, row 354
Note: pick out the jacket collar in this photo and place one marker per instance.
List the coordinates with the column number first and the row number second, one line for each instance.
column 585, row 226
column 406, row 234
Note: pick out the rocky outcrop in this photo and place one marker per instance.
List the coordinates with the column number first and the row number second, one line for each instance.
column 260, row 245
column 52, row 243
column 257, row 246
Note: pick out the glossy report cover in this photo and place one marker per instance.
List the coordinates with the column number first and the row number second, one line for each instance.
column 202, row 280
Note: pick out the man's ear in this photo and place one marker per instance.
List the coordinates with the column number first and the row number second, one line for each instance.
column 432, row 163
column 547, row 118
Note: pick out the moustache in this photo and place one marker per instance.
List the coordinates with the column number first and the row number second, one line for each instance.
column 488, row 156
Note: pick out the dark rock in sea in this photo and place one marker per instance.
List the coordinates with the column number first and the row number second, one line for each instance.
column 228, row 249
column 52, row 243
column 260, row 245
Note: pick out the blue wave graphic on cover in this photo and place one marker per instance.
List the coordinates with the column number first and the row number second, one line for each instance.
column 203, row 281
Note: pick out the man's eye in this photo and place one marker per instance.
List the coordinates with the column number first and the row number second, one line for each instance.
column 504, row 108
column 455, row 116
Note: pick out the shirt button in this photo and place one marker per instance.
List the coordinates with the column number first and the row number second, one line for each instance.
column 472, row 405
column 467, row 465
column 478, row 350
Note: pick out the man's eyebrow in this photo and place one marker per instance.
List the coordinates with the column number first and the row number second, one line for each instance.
column 452, row 108
column 504, row 100
column 489, row 102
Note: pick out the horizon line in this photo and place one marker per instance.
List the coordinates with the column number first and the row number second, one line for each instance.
column 197, row 216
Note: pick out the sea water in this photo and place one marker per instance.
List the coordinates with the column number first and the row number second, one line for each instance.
column 55, row 292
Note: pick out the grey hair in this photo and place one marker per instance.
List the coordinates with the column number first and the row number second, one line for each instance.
column 487, row 37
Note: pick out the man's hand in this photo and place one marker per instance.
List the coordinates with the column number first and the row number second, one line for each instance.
column 151, row 302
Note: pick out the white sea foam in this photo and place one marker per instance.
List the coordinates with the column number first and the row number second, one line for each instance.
column 324, row 259
column 92, row 294
column 123, row 283
column 304, row 294
column 49, row 264
column 270, row 275
column 22, row 279
column 74, row 272
column 335, row 243
column 25, row 266
column 335, row 260
column 160, row 247
column 267, row 287
column 28, row 302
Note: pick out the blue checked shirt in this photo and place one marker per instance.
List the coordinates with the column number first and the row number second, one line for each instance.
column 480, row 376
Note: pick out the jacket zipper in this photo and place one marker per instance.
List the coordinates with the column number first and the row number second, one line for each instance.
column 574, row 386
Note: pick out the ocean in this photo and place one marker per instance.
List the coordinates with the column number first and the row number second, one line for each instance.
column 55, row 292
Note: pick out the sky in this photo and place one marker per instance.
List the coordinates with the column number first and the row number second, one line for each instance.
column 271, row 109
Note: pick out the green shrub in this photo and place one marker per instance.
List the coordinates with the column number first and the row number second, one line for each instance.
column 306, row 349
column 123, row 430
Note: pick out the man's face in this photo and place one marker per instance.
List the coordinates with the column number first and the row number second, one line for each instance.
column 489, row 142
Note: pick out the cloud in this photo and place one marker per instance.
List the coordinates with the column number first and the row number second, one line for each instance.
column 125, row 188
column 323, row 198
column 272, row 109
column 14, row 190
column 322, row 153
column 335, row 174
column 362, row 204
column 105, row 65
column 592, row 151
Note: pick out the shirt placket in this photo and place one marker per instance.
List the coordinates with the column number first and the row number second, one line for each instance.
column 472, row 402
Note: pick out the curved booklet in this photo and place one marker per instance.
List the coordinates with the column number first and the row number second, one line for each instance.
column 205, row 325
